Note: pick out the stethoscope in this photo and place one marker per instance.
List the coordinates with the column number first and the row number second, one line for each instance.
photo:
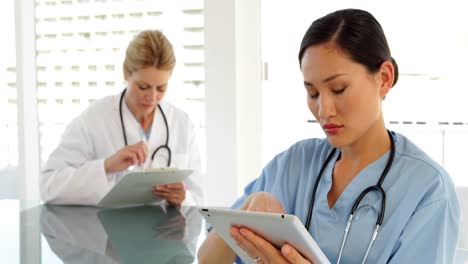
column 165, row 146
column 377, row 187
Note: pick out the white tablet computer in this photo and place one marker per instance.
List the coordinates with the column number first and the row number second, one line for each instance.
column 136, row 187
column 278, row 229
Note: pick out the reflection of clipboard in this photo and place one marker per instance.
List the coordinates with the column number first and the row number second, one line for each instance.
column 134, row 236
column 74, row 234
column 136, row 187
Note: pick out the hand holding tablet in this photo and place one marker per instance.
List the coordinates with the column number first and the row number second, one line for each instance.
column 276, row 228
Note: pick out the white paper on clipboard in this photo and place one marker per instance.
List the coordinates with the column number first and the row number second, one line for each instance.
column 136, row 187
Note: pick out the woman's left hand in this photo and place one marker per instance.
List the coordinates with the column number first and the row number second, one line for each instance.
column 173, row 193
column 262, row 251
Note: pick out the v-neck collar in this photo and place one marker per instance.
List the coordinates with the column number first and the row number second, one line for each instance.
column 136, row 133
column 368, row 176
column 142, row 132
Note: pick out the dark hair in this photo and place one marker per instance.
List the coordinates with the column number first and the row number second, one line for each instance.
column 354, row 31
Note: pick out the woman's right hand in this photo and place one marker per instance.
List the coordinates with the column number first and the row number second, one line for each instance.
column 130, row 155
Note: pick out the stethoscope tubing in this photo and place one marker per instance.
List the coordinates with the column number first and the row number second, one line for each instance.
column 165, row 146
column 377, row 187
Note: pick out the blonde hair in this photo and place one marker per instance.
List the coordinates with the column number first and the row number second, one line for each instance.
column 149, row 48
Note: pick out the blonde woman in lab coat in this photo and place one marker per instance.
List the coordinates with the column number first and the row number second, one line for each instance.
column 124, row 130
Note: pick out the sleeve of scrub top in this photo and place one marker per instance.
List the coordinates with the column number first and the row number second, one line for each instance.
column 193, row 184
column 431, row 234
column 72, row 175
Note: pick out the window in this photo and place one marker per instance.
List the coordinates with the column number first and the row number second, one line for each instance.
column 81, row 46
column 8, row 112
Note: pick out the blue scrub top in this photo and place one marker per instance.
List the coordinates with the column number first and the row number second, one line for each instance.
column 422, row 213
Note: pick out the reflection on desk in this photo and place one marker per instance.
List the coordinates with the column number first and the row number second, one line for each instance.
column 75, row 234
column 144, row 234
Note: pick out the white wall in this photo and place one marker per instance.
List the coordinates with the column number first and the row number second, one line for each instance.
column 28, row 135
column 233, row 97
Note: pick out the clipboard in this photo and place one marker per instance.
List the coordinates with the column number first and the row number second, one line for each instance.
column 136, row 187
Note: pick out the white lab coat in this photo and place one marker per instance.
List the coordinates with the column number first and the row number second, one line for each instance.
column 74, row 173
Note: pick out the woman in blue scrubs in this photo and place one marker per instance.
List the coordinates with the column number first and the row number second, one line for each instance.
column 348, row 70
